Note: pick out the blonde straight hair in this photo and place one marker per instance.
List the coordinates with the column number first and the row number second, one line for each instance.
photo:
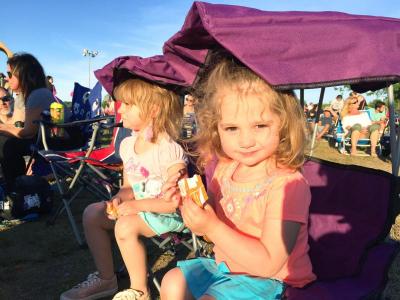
column 149, row 96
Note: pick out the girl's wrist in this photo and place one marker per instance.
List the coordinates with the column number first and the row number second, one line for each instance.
column 214, row 228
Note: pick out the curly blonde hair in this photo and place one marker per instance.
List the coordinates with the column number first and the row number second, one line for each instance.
column 148, row 96
column 229, row 74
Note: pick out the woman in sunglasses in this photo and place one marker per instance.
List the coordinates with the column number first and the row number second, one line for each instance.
column 26, row 77
column 357, row 124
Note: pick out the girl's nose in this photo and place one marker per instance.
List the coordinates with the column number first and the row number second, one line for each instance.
column 246, row 139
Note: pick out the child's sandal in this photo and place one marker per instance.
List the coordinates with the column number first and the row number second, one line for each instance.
column 131, row 294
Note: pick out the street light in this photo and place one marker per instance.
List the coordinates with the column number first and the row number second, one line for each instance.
column 91, row 54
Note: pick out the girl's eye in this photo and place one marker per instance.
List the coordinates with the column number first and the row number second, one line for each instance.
column 231, row 128
column 260, row 126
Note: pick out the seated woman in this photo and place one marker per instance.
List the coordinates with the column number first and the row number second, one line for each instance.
column 357, row 124
column 25, row 77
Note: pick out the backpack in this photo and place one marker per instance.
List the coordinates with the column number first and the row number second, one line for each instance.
column 33, row 195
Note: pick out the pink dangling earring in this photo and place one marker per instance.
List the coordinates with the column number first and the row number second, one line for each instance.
column 148, row 133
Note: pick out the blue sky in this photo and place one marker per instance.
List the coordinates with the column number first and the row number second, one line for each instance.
column 56, row 32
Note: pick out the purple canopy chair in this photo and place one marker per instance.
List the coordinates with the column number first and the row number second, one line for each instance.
column 352, row 207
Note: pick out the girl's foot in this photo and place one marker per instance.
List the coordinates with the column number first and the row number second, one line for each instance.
column 131, row 294
column 92, row 288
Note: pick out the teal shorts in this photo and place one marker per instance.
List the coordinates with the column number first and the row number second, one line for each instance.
column 205, row 277
column 163, row 223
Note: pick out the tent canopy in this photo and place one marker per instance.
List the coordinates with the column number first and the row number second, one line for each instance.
column 289, row 50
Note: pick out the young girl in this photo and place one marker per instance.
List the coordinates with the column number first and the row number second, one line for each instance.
column 258, row 222
column 150, row 158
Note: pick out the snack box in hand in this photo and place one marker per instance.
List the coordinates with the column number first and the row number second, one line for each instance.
column 111, row 210
column 194, row 188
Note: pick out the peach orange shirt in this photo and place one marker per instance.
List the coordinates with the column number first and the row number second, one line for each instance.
column 246, row 206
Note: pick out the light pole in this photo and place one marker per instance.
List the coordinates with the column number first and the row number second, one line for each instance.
column 91, row 54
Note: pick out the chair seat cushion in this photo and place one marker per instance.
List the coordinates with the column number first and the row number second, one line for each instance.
column 371, row 278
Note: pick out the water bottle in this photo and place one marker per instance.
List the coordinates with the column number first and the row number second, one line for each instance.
column 57, row 117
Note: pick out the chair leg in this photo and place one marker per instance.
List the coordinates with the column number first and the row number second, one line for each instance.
column 73, row 223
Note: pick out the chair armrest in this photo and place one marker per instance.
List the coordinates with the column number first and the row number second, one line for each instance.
column 75, row 123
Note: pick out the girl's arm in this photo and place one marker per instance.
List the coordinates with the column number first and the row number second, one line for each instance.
column 264, row 256
column 155, row 205
column 125, row 193
column 260, row 257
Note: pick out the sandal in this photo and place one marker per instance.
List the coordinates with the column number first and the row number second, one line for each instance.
column 131, row 294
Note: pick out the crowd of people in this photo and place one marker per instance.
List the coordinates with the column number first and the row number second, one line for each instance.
column 258, row 198
column 353, row 116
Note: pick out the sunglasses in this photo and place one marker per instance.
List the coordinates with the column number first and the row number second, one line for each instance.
column 6, row 98
column 10, row 74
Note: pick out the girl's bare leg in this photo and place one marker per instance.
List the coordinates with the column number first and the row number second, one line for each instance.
column 128, row 229
column 97, row 232
column 174, row 287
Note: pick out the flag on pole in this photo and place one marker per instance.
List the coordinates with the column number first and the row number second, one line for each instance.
column 94, row 101
column 80, row 102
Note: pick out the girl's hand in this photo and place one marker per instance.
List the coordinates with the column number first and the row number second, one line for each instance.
column 170, row 190
column 200, row 221
column 127, row 208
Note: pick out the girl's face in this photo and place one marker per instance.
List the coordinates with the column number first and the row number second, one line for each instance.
column 248, row 130
column 130, row 115
column 13, row 80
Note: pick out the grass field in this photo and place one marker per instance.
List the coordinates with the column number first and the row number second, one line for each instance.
column 38, row 262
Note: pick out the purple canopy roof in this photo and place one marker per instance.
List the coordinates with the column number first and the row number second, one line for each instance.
column 291, row 49
column 287, row 49
column 155, row 69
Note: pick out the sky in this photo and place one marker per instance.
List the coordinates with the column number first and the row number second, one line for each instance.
column 56, row 32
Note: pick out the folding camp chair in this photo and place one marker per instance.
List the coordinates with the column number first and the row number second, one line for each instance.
column 347, row 233
column 93, row 167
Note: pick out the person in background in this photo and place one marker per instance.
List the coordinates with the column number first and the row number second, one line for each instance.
column 336, row 106
column 50, row 84
column 6, row 107
column 26, row 77
column 325, row 123
column 189, row 117
column 378, row 115
column 361, row 102
column 108, row 106
column 357, row 124
column 2, row 80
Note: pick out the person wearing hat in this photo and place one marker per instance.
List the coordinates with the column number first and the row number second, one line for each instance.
column 325, row 123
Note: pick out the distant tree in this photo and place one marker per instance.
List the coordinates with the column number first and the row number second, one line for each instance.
column 106, row 99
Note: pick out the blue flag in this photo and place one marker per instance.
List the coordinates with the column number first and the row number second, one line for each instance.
column 95, row 101
column 80, row 103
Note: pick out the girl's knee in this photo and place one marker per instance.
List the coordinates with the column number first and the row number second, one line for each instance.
column 173, row 284
column 94, row 214
column 126, row 227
